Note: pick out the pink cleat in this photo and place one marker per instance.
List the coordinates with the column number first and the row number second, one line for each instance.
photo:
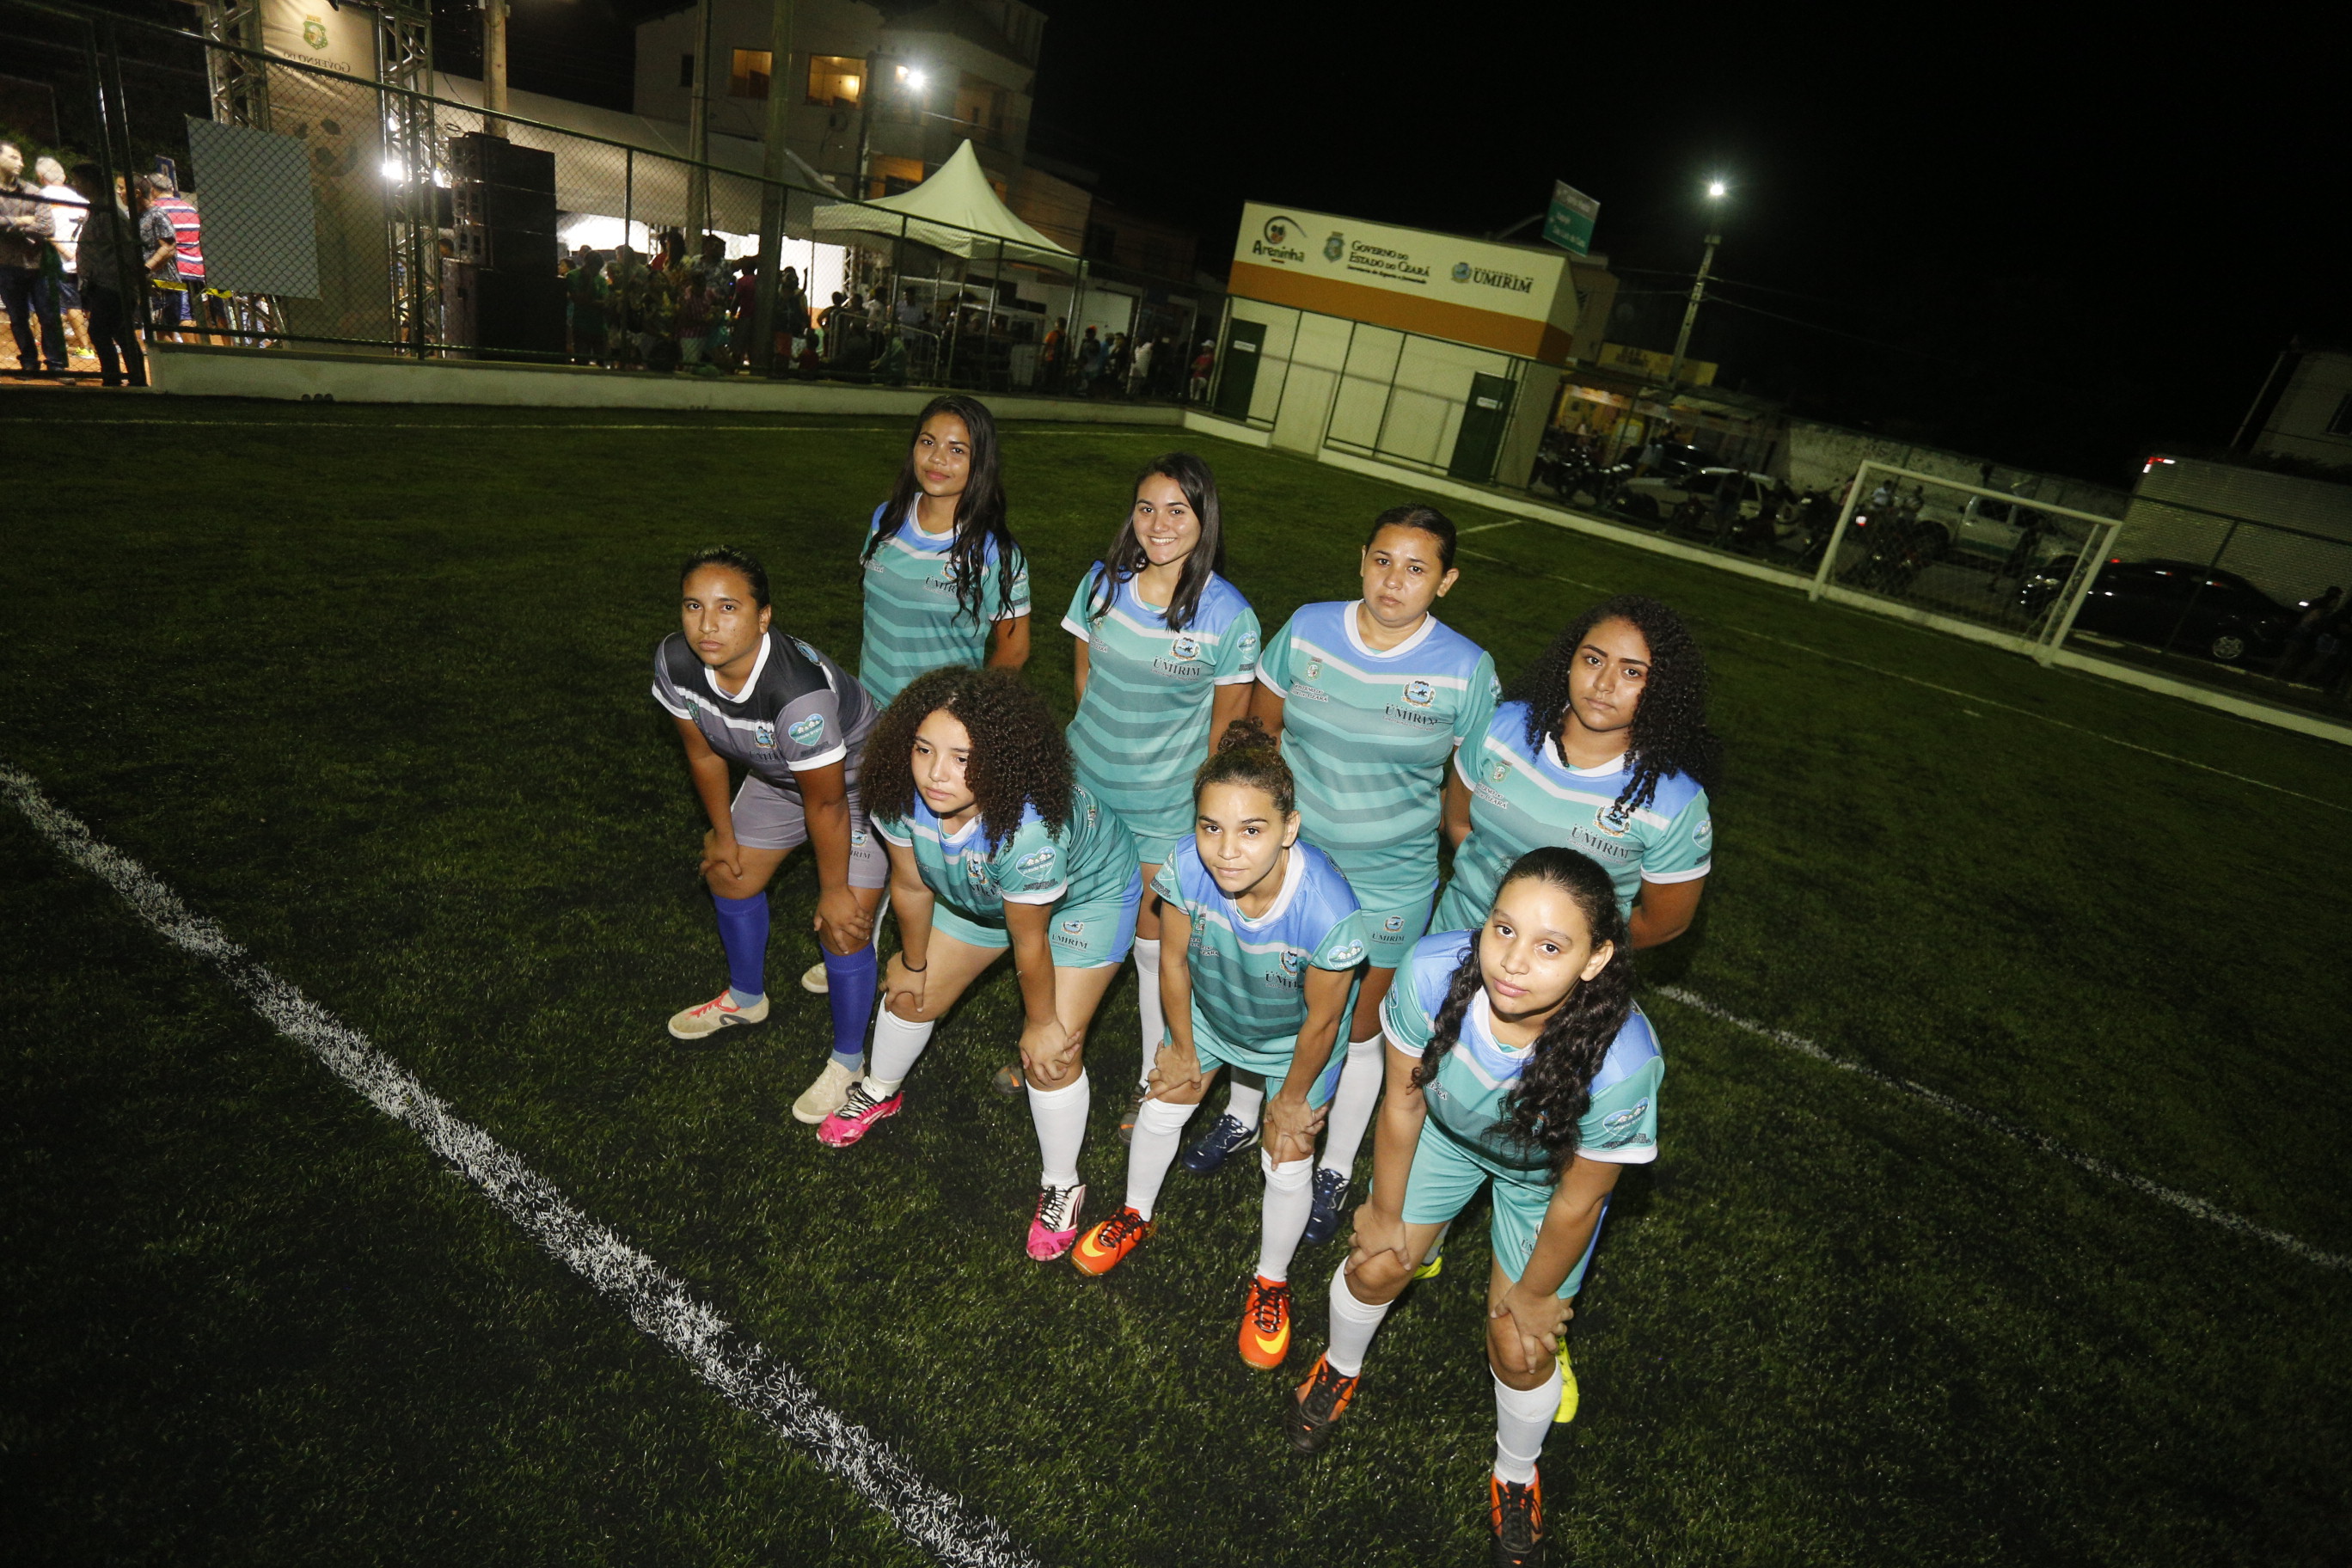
column 1056, row 1226
column 856, row 1117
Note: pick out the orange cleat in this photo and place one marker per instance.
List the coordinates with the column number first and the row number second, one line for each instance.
column 1266, row 1322
column 1315, row 1405
column 1102, row 1250
column 1518, row 1521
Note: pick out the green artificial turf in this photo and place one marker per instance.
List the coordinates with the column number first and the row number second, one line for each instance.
column 368, row 686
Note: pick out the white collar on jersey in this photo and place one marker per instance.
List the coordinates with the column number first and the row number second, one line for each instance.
column 1356, row 638
column 1608, row 769
column 1480, row 1016
column 767, row 645
column 914, row 525
column 1293, row 874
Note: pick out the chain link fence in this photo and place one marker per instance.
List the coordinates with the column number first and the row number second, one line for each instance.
column 343, row 212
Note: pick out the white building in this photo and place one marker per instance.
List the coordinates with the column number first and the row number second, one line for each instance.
column 2304, row 409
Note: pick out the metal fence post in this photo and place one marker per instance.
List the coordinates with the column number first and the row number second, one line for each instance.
column 1837, row 534
column 2198, row 592
column 2086, row 569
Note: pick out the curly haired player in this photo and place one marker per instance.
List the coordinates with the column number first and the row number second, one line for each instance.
column 1517, row 1058
column 1602, row 745
column 993, row 846
column 1265, row 941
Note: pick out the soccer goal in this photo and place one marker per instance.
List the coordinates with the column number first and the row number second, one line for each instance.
column 1966, row 558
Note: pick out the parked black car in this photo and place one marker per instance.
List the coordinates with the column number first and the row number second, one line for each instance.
column 2175, row 605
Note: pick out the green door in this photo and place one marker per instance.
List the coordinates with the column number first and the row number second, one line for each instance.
column 1484, row 423
column 1243, row 342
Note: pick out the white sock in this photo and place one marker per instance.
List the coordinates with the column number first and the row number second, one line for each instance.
column 1352, row 1107
column 1147, row 1002
column 1522, row 1421
column 1158, row 1127
column 1353, row 1324
column 1289, row 1200
column 1061, row 1117
column 897, row 1044
column 1246, row 1100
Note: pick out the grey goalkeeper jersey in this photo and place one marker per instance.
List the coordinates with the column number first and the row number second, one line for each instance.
column 799, row 710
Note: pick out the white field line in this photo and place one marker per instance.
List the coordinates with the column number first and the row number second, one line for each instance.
column 1490, row 527
column 1972, row 697
column 660, row 1304
column 2186, row 1202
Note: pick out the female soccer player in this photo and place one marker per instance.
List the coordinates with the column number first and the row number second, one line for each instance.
column 1369, row 699
column 1165, row 651
column 945, row 584
column 1517, row 1058
column 993, row 846
column 742, row 691
column 1264, row 941
column 1601, row 746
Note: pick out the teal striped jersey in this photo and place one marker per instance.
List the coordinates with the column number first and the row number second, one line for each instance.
column 1090, row 860
column 1466, row 1103
column 912, row 623
column 1368, row 733
column 1249, row 976
column 1523, row 797
column 1143, row 725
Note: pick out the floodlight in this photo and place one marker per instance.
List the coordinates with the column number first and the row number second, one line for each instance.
column 1717, row 190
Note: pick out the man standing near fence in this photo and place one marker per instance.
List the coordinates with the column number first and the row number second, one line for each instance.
column 26, row 228
column 106, row 255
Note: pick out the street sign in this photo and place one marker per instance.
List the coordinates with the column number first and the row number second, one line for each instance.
column 1568, row 223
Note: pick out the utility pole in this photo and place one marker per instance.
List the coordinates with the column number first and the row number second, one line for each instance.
column 494, row 66
column 1715, row 194
column 775, row 161
column 698, row 137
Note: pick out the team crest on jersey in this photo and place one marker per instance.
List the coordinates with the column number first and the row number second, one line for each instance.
column 1293, row 960
column 1249, row 645
column 808, row 731
column 1072, row 928
column 1314, row 669
column 763, row 734
column 1393, row 924
column 1346, row 955
column 1705, row 834
column 1186, row 645
column 1625, row 1118
column 693, row 709
column 1036, row 860
column 857, row 838
column 1420, row 693
column 1613, row 819
column 1502, row 771
column 975, row 871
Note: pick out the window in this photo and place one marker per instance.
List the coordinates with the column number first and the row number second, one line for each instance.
column 835, row 80
column 750, row 77
column 685, row 70
column 2342, row 424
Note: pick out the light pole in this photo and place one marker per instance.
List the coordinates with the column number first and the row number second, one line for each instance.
column 494, row 66
column 1715, row 191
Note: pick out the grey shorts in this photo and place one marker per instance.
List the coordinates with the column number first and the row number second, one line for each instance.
column 767, row 817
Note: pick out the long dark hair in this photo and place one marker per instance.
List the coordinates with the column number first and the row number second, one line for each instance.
column 1555, row 1089
column 1669, row 733
column 980, row 512
column 1018, row 755
column 1246, row 755
column 1124, row 559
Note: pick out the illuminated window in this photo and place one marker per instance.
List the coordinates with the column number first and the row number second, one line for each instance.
column 835, row 80
column 750, row 77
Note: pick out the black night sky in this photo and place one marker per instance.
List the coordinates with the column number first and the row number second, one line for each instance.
column 2051, row 243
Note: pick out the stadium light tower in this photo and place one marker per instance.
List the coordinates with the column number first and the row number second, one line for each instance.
column 1717, row 190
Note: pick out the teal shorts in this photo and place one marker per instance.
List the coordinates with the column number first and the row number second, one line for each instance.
column 1445, row 1178
column 1271, row 1059
column 1393, row 925
column 1084, row 936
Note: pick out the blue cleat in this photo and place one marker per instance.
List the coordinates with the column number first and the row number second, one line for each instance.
column 1225, row 1138
column 1330, row 1197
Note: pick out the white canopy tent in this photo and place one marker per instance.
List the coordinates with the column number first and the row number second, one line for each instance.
column 955, row 211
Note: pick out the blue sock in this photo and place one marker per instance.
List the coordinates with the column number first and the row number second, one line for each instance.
column 743, row 929
column 849, row 992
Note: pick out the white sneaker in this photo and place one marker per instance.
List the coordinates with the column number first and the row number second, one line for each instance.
column 823, row 1097
column 702, row 1023
column 813, row 978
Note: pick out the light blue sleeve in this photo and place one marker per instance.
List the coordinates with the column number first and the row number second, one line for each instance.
column 1237, row 650
column 1403, row 1020
column 1031, row 867
column 1274, row 661
column 1074, row 619
column 1018, row 604
column 1685, row 851
column 1622, row 1124
column 1484, row 690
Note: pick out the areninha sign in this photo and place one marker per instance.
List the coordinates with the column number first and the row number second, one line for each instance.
column 1316, row 261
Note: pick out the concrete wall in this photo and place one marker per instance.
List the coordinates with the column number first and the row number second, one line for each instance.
column 2289, row 536
column 1824, row 456
column 191, row 371
column 2316, row 389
